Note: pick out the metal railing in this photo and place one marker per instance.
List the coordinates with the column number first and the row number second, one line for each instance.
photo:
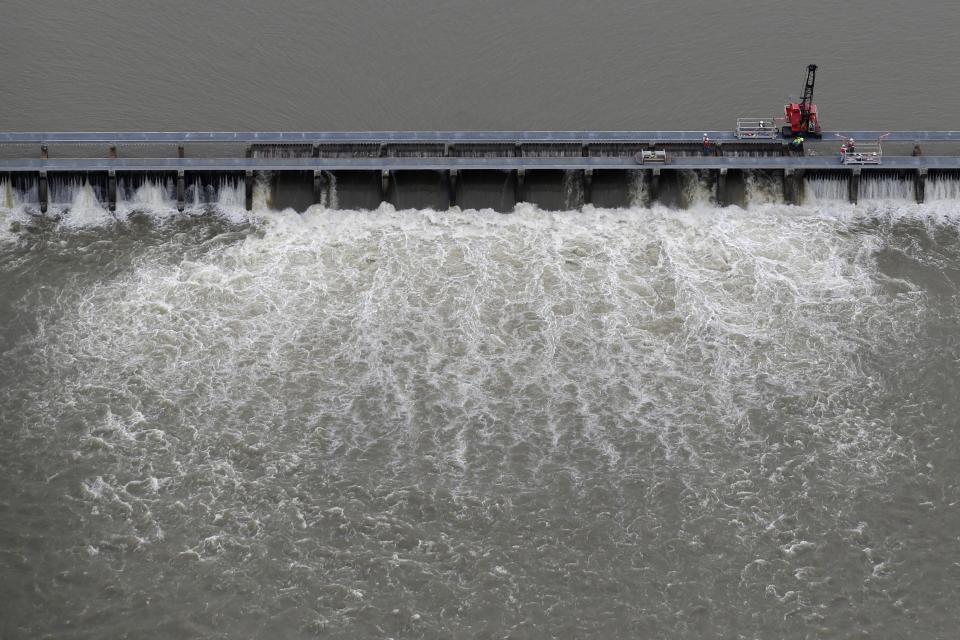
column 760, row 128
column 862, row 153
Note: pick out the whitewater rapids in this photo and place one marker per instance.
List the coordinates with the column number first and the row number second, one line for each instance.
column 606, row 423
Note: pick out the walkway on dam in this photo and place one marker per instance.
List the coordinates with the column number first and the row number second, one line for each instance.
column 810, row 163
column 344, row 137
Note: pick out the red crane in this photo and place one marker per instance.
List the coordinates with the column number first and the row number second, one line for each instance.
column 801, row 117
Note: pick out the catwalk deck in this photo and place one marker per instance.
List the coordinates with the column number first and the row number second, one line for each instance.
column 454, row 163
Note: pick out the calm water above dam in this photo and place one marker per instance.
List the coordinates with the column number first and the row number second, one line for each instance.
column 650, row 422
column 112, row 65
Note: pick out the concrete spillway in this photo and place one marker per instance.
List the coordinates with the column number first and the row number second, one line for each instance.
column 467, row 169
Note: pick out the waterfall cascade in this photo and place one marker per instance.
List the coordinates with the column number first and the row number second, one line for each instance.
column 885, row 188
column 825, row 189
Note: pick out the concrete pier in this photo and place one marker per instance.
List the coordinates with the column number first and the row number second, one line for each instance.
column 112, row 191
column 721, row 192
column 920, row 186
column 451, row 188
column 181, row 191
column 853, row 185
column 384, row 185
column 43, row 193
column 248, row 190
column 793, row 186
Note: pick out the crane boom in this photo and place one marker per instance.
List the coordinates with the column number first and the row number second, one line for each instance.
column 807, row 99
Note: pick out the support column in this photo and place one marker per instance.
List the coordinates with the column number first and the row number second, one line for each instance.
column 587, row 184
column 181, row 190
column 793, row 186
column 384, row 185
column 112, row 190
column 518, row 191
column 248, row 189
column 452, row 176
column 319, row 186
column 654, row 185
column 42, row 191
column 920, row 185
column 854, row 184
column 722, row 187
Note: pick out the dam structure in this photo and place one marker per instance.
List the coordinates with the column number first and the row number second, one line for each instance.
column 555, row 170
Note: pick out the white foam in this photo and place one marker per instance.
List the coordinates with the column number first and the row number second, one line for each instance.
column 696, row 189
column 151, row 197
column 85, row 210
column 262, row 194
column 762, row 188
column 485, row 354
column 639, row 190
column 737, row 277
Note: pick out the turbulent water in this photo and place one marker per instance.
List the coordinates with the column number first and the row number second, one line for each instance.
column 639, row 423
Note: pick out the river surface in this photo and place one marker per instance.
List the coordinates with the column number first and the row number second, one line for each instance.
column 220, row 65
column 639, row 423
column 632, row 423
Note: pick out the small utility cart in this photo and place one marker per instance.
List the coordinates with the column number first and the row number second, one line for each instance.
column 861, row 153
column 652, row 156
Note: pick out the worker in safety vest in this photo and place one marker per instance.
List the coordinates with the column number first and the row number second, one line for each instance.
column 797, row 144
